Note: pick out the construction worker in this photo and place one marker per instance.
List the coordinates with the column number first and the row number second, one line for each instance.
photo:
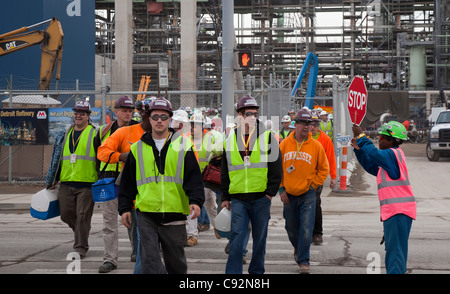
column 285, row 130
column 327, row 145
column 326, row 125
column 77, row 172
column 116, row 148
column 397, row 202
column 208, row 146
column 180, row 120
column 123, row 108
column 305, row 168
column 164, row 178
column 251, row 175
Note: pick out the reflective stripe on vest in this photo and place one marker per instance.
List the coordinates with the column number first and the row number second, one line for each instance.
column 251, row 178
column 111, row 166
column 84, row 169
column 156, row 192
column 396, row 196
column 204, row 153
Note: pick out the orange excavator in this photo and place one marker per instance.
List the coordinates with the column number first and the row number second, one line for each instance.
column 51, row 42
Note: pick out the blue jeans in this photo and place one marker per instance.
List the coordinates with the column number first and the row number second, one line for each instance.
column 396, row 235
column 258, row 213
column 299, row 215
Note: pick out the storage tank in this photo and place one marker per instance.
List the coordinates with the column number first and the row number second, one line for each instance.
column 417, row 68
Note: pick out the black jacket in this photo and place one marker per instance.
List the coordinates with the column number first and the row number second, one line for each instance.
column 274, row 175
column 192, row 183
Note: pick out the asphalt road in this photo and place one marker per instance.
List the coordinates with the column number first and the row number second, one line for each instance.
column 352, row 233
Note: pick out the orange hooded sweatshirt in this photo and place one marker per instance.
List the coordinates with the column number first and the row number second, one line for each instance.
column 310, row 166
column 119, row 142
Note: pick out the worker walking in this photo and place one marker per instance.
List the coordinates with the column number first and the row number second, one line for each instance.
column 326, row 125
column 250, row 177
column 116, row 148
column 123, row 109
column 164, row 178
column 76, row 173
column 305, row 168
column 397, row 202
column 285, row 130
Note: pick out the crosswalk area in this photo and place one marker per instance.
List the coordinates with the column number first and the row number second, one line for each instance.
column 209, row 257
column 43, row 247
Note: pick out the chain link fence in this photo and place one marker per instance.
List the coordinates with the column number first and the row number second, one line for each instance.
column 30, row 120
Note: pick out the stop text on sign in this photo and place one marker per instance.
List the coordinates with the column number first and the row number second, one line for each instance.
column 357, row 99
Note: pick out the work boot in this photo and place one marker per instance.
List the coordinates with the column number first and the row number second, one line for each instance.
column 304, row 269
column 192, row 241
column 107, row 267
column 317, row 239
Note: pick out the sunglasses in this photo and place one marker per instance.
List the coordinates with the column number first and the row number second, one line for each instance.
column 163, row 117
column 249, row 114
column 79, row 113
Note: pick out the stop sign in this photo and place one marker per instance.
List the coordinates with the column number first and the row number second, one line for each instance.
column 357, row 100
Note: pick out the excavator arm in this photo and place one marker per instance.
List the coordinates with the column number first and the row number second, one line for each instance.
column 51, row 43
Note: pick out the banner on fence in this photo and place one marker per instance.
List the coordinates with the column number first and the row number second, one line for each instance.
column 23, row 127
column 61, row 118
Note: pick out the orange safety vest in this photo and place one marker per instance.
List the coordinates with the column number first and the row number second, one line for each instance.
column 396, row 196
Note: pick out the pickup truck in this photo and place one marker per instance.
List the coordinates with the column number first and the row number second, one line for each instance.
column 439, row 137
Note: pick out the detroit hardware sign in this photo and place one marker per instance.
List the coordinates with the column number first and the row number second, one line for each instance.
column 357, row 100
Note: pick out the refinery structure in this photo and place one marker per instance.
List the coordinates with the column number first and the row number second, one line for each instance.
column 394, row 45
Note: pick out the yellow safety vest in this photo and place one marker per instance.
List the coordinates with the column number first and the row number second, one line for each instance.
column 111, row 166
column 247, row 178
column 161, row 192
column 83, row 169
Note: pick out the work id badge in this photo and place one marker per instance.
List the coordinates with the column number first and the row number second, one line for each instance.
column 246, row 160
column 73, row 158
column 290, row 169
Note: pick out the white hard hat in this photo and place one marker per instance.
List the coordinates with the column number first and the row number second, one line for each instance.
column 223, row 222
column 197, row 117
column 286, row 118
column 208, row 122
column 323, row 112
column 180, row 115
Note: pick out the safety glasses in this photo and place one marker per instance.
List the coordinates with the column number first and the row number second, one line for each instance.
column 163, row 117
column 249, row 114
column 303, row 122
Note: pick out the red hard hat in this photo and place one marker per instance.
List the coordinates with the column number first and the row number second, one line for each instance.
column 161, row 103
column 124, row 102
column 82, row 105
column 246, row 101
column 303, row 114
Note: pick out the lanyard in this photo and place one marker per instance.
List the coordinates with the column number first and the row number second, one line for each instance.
column 75, row 144
column 246, row 144
column 298, row 149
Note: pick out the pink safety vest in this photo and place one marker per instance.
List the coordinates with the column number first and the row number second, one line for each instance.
column 396, row 196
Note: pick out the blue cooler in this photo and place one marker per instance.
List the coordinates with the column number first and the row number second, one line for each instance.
column 44, row 204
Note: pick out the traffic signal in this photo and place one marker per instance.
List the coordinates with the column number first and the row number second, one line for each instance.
column 246, row 58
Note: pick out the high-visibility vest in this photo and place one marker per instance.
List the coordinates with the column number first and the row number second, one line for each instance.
column 111, row 166
column 250, row 178
column 161, row 192
column 327, row 129
column 205, row 150
column 284, row 134
column 396, row 196
column 83, row 170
